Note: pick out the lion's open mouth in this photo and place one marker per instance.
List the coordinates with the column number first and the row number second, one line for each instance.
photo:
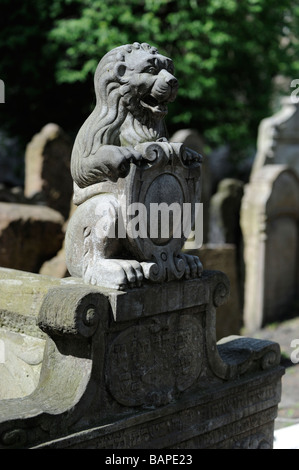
column 157, row 107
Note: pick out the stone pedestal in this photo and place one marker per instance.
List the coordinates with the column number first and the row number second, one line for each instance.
column 141, row 370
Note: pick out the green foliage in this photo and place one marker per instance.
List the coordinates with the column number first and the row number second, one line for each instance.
column 226, row 53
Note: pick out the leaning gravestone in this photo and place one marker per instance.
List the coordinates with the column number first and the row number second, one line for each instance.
column 278, row 138
column 269, row 220
column 47, row 169
column 131, row 359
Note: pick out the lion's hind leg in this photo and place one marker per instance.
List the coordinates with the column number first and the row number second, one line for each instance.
column 93, row 247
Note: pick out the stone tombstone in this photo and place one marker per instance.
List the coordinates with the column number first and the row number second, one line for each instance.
column 278, row 138
column 122, row 162
column 225, row 207
column 29, row 235
column 47, row 169
column 224, row 223
column 269, row 221
column 133, row 363
column 192, row 139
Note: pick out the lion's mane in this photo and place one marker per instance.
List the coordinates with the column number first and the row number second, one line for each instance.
column 116, row 106
column 112, row 98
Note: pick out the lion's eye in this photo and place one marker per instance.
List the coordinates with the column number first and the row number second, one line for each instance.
column 151, row 70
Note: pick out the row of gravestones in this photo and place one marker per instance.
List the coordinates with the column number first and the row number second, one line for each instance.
column 250, row 231
column 261, row 220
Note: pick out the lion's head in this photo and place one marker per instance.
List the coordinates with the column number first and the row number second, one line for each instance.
column 133, row 86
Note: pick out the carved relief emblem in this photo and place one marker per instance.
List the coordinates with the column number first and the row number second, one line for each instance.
column 152, row 363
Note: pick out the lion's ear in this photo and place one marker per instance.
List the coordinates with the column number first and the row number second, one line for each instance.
column 120, row 70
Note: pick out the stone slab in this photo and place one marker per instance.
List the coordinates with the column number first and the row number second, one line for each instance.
column 21, row 296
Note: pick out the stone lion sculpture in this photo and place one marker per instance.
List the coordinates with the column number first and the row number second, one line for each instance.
column 122, row 156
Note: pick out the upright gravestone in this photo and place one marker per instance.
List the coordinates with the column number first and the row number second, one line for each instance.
column 193, row 140
column 29, row 235
column 131, row 359
column 47, row 169
column 225, row 204
column 269, row 220
column 278, row 138
column 224, row 223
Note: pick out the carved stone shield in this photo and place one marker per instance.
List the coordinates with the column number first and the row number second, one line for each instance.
column 158, row 208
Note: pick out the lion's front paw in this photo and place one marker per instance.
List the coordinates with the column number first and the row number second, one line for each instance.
column 193, row 266
column 115, row 273
column 190, row 157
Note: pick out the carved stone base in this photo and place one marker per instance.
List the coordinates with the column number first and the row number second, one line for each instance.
column 141, row 369
column 240, row 415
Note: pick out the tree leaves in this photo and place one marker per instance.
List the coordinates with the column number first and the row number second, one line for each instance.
column 226, row 53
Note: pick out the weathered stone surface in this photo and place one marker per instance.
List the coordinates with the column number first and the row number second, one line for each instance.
column 21, row 297
column 278, row 138
column 29, row 235
column 20, row 363
column 168, row 352
column 47, row 169
column 225, row 207
column 177, row 388
column 223, row 257
column 269, row 221
column 22, row 342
